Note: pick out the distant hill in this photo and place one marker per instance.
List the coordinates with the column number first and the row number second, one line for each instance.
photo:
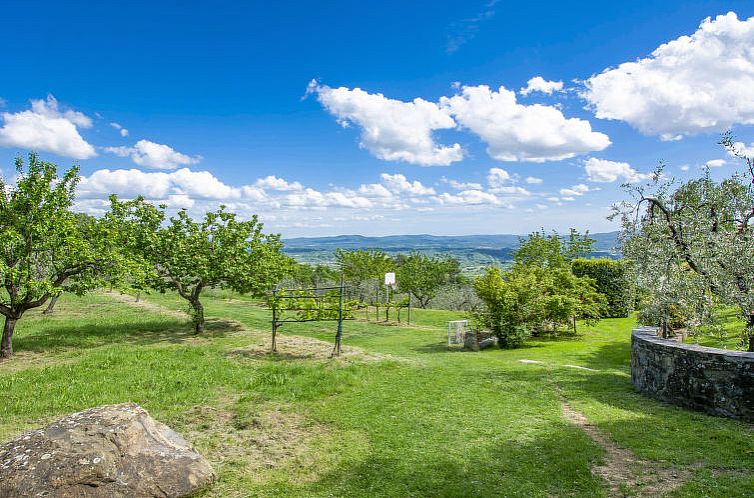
column 473, row 251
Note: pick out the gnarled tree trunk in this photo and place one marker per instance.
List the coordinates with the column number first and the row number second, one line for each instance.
column 6, row 345
column 750, row 332
column 197, row 308
column 197, row 315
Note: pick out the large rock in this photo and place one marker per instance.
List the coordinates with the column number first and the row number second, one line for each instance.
column 108, row 451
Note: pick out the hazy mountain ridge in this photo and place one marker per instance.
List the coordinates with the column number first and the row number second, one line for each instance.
column 472, row 251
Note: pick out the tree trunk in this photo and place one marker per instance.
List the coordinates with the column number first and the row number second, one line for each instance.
column 198, row 315
column 750, row 332
column 6, row 346
column 138, row 296
column 51, row 306
column 274, row 336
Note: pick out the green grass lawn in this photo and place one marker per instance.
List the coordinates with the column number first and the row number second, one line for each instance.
column 728, row 335
column 411, row 419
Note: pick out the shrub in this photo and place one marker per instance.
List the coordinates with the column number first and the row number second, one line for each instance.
column 531, row 300
column 613, row 279
column 510, row 306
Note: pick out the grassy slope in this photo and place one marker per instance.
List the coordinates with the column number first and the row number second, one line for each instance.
column 428, row 422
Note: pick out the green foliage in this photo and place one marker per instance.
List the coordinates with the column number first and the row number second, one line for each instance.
column 360, row 265
column 46, row 248
column 612, row 278
column 551, row 250
column 691, row 239
column 363, row 272
column 306, row 275
column 189, row 256
column 511, row 307
column 423, row 275
column 302, row 304
column 539, row 294
column 456, row 296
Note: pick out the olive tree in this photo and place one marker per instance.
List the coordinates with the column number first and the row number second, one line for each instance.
column 189, row 256
column 694, row 238
column 45, row 247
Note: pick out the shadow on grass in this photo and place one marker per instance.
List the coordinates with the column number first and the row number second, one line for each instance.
column 612, row 355
column 653, row 429
column 51, row 335
column 555, row 463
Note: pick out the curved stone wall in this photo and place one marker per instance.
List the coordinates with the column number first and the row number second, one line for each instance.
column 716, row 381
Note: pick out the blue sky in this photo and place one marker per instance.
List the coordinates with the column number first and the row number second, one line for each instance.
column 305, row 113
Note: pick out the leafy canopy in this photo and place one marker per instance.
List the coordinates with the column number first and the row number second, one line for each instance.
column 539, row 293
column 187, row 255
column 423, row 275
column 693, row 238
column 46, row 248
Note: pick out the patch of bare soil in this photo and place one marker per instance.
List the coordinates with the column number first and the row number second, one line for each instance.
column 293, row 347
column 25, row 360
column 146, row 305
column 625, row 474
column 255, row 449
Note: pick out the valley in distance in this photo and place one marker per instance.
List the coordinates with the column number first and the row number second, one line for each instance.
column 473, row 252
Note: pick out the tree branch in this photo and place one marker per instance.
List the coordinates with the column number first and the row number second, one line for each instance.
column 675, row 235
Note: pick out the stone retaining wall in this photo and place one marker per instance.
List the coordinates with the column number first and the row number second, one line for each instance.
column 716, row 381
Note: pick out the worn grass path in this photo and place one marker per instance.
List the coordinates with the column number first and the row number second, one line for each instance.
column 405, row 418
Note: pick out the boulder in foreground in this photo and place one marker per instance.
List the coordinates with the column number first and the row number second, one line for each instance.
column 109, row 451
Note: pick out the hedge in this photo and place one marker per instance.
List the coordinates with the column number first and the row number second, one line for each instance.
column 613, row 279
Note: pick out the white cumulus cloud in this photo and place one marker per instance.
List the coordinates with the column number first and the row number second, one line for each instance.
column 392, row 130
column 398, row 183
column 698, row 83
column 497, row 177
column 154, row 185
column 311, row 198
column 274, row 183
column 575, row 191
column 533, row 180
column 462, row 185
column 539, row 84
column 716, row 163
column 47, row 127
column 154, row 155
column 516, row 132
column 469, row 198
column 604, row 171
column 123, row 132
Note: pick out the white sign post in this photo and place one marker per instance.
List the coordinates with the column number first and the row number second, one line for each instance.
column 390, row 279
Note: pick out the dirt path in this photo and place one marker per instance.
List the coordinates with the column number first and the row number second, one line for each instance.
column 624, row 473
